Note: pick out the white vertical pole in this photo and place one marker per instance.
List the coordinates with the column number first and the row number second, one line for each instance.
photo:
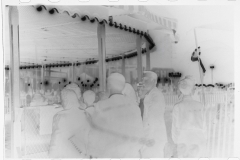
column 148, row 61
column 139, row 58
column 102, row 55
column 72, row 72
column 123, row 65
column 14, row 82
column 201, row 76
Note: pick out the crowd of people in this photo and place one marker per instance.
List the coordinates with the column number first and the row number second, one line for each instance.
column 122, row 123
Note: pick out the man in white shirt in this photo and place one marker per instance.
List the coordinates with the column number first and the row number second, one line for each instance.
column 152, row 105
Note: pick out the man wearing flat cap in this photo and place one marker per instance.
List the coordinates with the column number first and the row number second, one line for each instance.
column 187, row 123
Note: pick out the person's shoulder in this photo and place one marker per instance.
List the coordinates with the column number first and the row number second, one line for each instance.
column 177, row 105
column 197, row 103
column 101, row 102
column 156, row 94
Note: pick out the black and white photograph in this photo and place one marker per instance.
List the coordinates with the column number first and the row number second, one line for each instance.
column 118, row 81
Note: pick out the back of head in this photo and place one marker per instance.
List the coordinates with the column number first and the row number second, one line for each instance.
column 69, row 99
column 116, row 83
column 74, row 87
column 186, row 85
column 89, row 97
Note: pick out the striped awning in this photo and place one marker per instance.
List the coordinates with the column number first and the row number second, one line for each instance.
column 167, row 23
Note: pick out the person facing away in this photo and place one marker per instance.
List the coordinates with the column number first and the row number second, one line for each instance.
column 187, row 123
column 74, row 87
column 66, row 124
column 116, row 124
column 152, row 105
column 89, row 98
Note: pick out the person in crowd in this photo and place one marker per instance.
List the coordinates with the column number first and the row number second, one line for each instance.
column 74, row 87
column 89, row 98
column 48, row 93
column 66, row 124
column 152, row 105
column 187, row 123
column 117, row 127
column 130, row 92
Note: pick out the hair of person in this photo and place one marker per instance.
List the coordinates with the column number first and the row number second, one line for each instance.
column 151, row 75
column 74, row 87
column 89, row 97
column 116, row 82
column 69, row 98
column 186, row 85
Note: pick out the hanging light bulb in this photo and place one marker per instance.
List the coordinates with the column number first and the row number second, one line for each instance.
column 39, row 9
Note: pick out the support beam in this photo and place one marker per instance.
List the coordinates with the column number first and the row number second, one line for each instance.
column 102, row 55
column 42, row 74
column 123, row 65
column 73, row 73
column 14, row 82
column 148, row 61
column 139, row 57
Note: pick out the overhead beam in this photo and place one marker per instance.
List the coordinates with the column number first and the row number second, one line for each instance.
column 102, row 55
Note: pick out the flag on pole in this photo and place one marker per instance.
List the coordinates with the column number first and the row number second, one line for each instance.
column 195, row 57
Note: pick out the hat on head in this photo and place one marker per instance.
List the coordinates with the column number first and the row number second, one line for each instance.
column 186, row 85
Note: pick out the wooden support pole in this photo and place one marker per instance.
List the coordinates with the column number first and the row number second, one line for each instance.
column 148, row 61
column 102, row 55
column 15, row 82
column 123, row 65
column 42, row 74
column 201, row 75
column 72, row 72
column 139, row 57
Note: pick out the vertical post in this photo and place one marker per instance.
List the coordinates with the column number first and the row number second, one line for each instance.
column 14, row 81
column 212, row 75
column 42, row 73
column 42, row 76
column 148, row 67
column 102, row 55
column 201, row 76
column 139, row 58
column 72, row 72
column 123, row 65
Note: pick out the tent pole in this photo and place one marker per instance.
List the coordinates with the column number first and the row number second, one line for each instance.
column 42, row 76
column 123, row 65
column 201, row 76
column 14, row 82
column 148, row 62
column 139, row 58
column 72, row 72
column 102, row 55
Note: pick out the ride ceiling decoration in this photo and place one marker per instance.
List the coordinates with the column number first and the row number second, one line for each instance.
column 47, row 37
column 141, row 12
column 127, row 25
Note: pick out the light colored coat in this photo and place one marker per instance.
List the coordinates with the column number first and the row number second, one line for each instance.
column 188, row 127
column 154, row 124
column 117, row 128
column 66, row 124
